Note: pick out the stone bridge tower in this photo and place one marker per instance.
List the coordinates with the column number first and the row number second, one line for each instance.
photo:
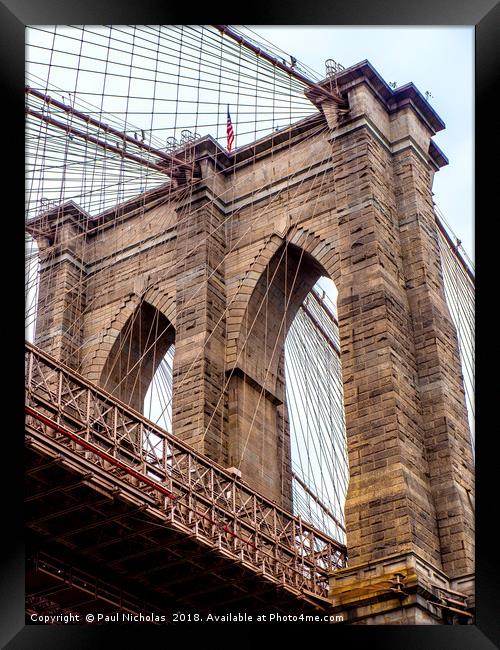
column 211, row 267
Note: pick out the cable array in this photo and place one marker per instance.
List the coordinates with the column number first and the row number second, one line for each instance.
column 160, row 85
column 459, row 287
column 315, row 405
column 113, row 117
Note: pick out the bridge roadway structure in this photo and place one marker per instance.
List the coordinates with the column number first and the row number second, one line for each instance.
column 154, row 518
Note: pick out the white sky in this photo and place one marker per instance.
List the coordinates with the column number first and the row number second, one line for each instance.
column 435, row 59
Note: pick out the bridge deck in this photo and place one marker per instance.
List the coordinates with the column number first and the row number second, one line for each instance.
column 151, row 522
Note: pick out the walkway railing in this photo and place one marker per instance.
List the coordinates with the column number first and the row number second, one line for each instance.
column 196, row 495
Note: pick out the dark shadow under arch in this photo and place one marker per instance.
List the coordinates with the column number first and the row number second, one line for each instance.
column 136, row 354
column 280, row 291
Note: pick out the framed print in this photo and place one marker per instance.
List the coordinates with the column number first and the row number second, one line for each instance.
column 250, row 307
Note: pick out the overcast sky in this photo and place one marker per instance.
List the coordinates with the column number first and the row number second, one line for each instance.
column 436, row 59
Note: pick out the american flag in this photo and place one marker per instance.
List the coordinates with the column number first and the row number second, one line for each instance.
column 230, row 132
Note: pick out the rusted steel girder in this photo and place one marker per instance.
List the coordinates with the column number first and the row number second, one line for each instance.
column 97, row 141
column 276, row 62
column 172, row 161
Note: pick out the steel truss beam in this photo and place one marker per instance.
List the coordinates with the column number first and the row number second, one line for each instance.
column 60, row 489
column 192, row 495
column 90, row 584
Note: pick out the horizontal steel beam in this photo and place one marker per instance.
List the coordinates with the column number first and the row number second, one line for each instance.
column 96, row 141
column 172, row 160
column 92, row 584
column 59, row 489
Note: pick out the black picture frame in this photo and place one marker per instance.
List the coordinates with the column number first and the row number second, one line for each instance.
column 14, row 16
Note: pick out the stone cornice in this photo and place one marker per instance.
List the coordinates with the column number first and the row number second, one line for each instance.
column 394, row 99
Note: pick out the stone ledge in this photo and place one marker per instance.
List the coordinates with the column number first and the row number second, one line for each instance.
column 401, row 588
column 393, row 98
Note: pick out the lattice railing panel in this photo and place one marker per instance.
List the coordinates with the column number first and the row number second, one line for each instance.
column 195, row 495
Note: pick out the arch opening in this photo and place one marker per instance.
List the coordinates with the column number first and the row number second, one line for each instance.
column 31, row 285
column 142, row 347
column 315, row 408
column 286, row 409
column 158, row 400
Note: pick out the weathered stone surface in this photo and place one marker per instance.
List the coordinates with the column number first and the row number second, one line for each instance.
column 402, row 589
column 215, row 269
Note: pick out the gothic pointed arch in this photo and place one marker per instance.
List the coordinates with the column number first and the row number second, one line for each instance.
column 320, row 248
column 257, row 400
column 136, row 354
